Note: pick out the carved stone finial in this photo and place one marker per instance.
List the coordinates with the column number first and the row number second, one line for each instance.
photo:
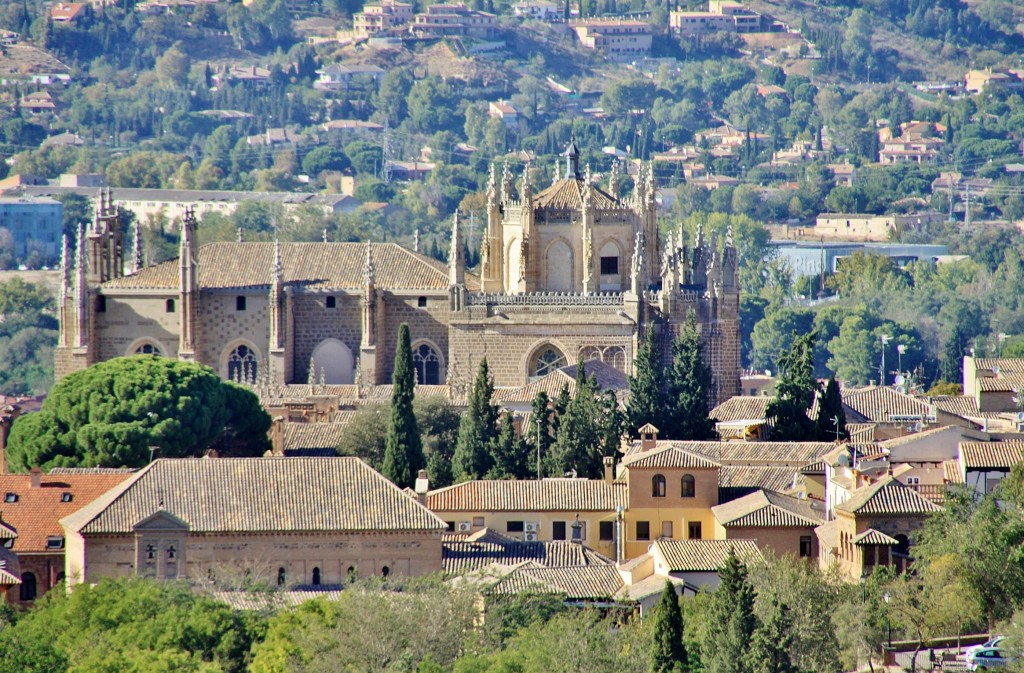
column 278, row 269
column 241, row 236
column 369, row 270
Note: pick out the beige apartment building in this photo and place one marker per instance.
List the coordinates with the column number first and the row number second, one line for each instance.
column 380, row 16
column 618, row 39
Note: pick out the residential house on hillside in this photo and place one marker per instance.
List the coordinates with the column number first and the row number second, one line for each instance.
column 977, row 81
column 38, row 102
column 722, row 16
column 875, row 527
column 618, row 39
column 277, row 519
column 381, row 16
column 984, row 465
column 33, row 505
column 447, row 20
column 339, row 76
column 782, row 523
column 542, row 10
column 504, row 111
column 69, row 12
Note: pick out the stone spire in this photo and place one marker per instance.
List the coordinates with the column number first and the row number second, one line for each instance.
column 572, row 160
column 189, row 286
column 506, row 183
column 65, row 270
column 326, row 238
column 81, row 290
column 613, row 179
column 415, row 240
column 492, row 188
column 526, row 193
column 138, row 262
column 369, row 269
column 241, row 236
column 456, row 256
column 277, row 270
column 637, row 267
column 278, row 319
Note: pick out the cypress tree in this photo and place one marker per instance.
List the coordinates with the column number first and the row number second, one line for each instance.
column 668, row 651
column 689, row 385
column 509, row 453
column 612, row 425
column 830, row 407
column 794, row 393
column 731, row 621
column 579, row 431
column 645, row 387
column 472, row 458
column 540, row 433
column 403, row 452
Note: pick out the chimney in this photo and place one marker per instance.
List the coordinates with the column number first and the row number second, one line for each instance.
column 609, row 469
column 648, row 437
column 422, row 486
column 36, row 477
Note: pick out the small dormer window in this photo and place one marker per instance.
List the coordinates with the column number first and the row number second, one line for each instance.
column 66, row 497
column 55, row 542
column 11, row 497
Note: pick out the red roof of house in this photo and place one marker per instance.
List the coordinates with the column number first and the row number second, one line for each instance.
column 34, row 513
column 67, row 11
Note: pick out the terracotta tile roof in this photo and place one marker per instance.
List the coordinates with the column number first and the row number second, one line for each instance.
column 488, row 547
column 750, row 477
column 526, row 495
column 992, row 455
column 574, row 582
column 322, row 266
column 567, row 194
column 258, row 495
column 768, row 509
column 705, row 555
column 741, row 408
column 828, row 534
column 316, row 435
column 861, row 432
column 272, row 601
column 960, row 405
column 952, row 431
column 36, row 513
column 885, row 405
column 817, row 467
column 887, row 496
column 608, row 377
column 951, row 472
column 872, row 536
column 755, row 453
column 667, row 457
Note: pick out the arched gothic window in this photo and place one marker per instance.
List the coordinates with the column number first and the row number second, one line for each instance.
column 658, row 486
column 316, row 576
column 148, row 349
column 547, row 360
column 427, row 365
column 689, row 487
column 242, row 364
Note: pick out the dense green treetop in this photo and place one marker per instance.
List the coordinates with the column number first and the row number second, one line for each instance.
column 113, row 413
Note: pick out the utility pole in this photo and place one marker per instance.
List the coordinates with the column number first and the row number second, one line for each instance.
column 385, row 147
column 881, row 370
column 967, row 208
column 951, row 197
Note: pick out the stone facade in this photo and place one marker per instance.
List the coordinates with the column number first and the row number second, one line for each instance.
column 572, row 272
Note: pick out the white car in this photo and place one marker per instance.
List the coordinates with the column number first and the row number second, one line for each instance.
column 991, row 642
column 988, row 658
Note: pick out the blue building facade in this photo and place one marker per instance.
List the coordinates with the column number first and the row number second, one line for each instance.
column 809, row 258
column 34, row 226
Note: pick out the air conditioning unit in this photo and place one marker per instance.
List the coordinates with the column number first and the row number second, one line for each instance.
column 531, row 537
column 531, row 527
column 464, row 526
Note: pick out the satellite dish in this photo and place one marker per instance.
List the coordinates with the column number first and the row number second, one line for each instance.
column 901, row 390
column 900, row 380
column 844, row 460
column 1020, row 417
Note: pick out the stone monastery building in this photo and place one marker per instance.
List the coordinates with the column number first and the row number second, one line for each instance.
column 568, row 273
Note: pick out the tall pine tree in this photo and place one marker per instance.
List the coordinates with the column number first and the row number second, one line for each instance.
column 645, row 387
column 403, row 452
column 668, row 650
column 689, row 388
column 478, row 429
column 794, row 393
column 831, row 421
column 731, row 621
column 772, row 642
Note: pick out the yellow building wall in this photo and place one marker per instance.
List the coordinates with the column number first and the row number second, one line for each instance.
column 673, row 508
